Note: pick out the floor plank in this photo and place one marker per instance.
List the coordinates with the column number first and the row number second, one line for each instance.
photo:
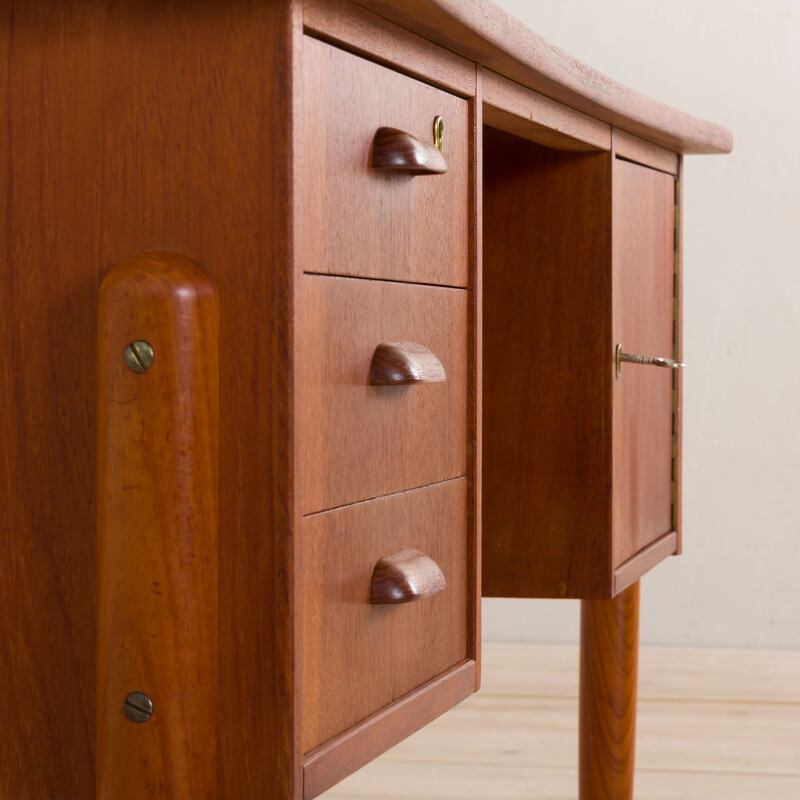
column 712, row 724
column 505, row 730
column 407, row 780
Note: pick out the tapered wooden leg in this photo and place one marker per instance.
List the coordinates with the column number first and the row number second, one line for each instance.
column 609, row 660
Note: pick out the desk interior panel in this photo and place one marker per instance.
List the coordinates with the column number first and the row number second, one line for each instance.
column 546, row 370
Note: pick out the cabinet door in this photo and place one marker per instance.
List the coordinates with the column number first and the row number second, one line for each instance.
column 643, row 313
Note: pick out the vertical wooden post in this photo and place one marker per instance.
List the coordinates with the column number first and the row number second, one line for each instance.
column 609, row 661
column 157, row 493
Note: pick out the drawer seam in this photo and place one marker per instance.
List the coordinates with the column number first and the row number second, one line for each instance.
column 339, row 276
column 382, row 496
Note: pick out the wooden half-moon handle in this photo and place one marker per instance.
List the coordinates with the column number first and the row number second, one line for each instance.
column 405, row 576
column 401, row 363
column 394, row 149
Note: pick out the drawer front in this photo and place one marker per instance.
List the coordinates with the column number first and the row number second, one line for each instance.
column 359, row 657
column 359, row 441
column 376, row 223
column 643, row 314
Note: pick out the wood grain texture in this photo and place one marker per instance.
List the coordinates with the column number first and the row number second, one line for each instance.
column 405, row 576
column 354, row 28
column 404, row 363
column 608, row 683
column 157, row 493
column 359, row 441
column 546, row 371
column 361, row 222
column 490, row 36
column 632, row 148
column 329, row 764
column 397, row 151
column 643, row 306
column 132, row 126
column 359, row 657
column 516, row 109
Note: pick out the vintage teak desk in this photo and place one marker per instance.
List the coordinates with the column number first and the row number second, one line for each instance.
column 305, row 304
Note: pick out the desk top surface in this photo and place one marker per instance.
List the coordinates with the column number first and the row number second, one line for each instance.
column 482, row 32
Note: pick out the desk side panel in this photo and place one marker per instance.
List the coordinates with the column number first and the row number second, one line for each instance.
column 133, row 126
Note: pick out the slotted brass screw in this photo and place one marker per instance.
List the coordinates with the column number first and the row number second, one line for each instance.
column 138, row 707
column 139, row 356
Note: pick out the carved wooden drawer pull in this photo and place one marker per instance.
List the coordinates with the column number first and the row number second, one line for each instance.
column 401, row 363
column 405, row 576
column 394, row 149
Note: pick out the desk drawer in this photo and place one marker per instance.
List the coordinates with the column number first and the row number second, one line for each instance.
column 358, row 657
column 370, row 222
column 359, row 441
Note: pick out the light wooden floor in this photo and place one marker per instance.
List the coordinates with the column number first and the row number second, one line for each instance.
column 713, row 725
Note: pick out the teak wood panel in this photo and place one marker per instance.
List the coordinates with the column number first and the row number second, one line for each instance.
column 157, row 525
column 358, row 221
column 547, row 367
column 133, row 126
column 643, row 309
column 360, row 657
column 359, row 441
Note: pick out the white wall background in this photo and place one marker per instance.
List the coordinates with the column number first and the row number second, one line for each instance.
column 735, row 62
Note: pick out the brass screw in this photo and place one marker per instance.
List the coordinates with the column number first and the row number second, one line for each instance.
column 139, row 356
column 138, row 707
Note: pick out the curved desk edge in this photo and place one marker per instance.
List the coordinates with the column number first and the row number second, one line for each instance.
column 484, row 33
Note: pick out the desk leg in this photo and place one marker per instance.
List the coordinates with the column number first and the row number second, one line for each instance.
column 609, row 658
